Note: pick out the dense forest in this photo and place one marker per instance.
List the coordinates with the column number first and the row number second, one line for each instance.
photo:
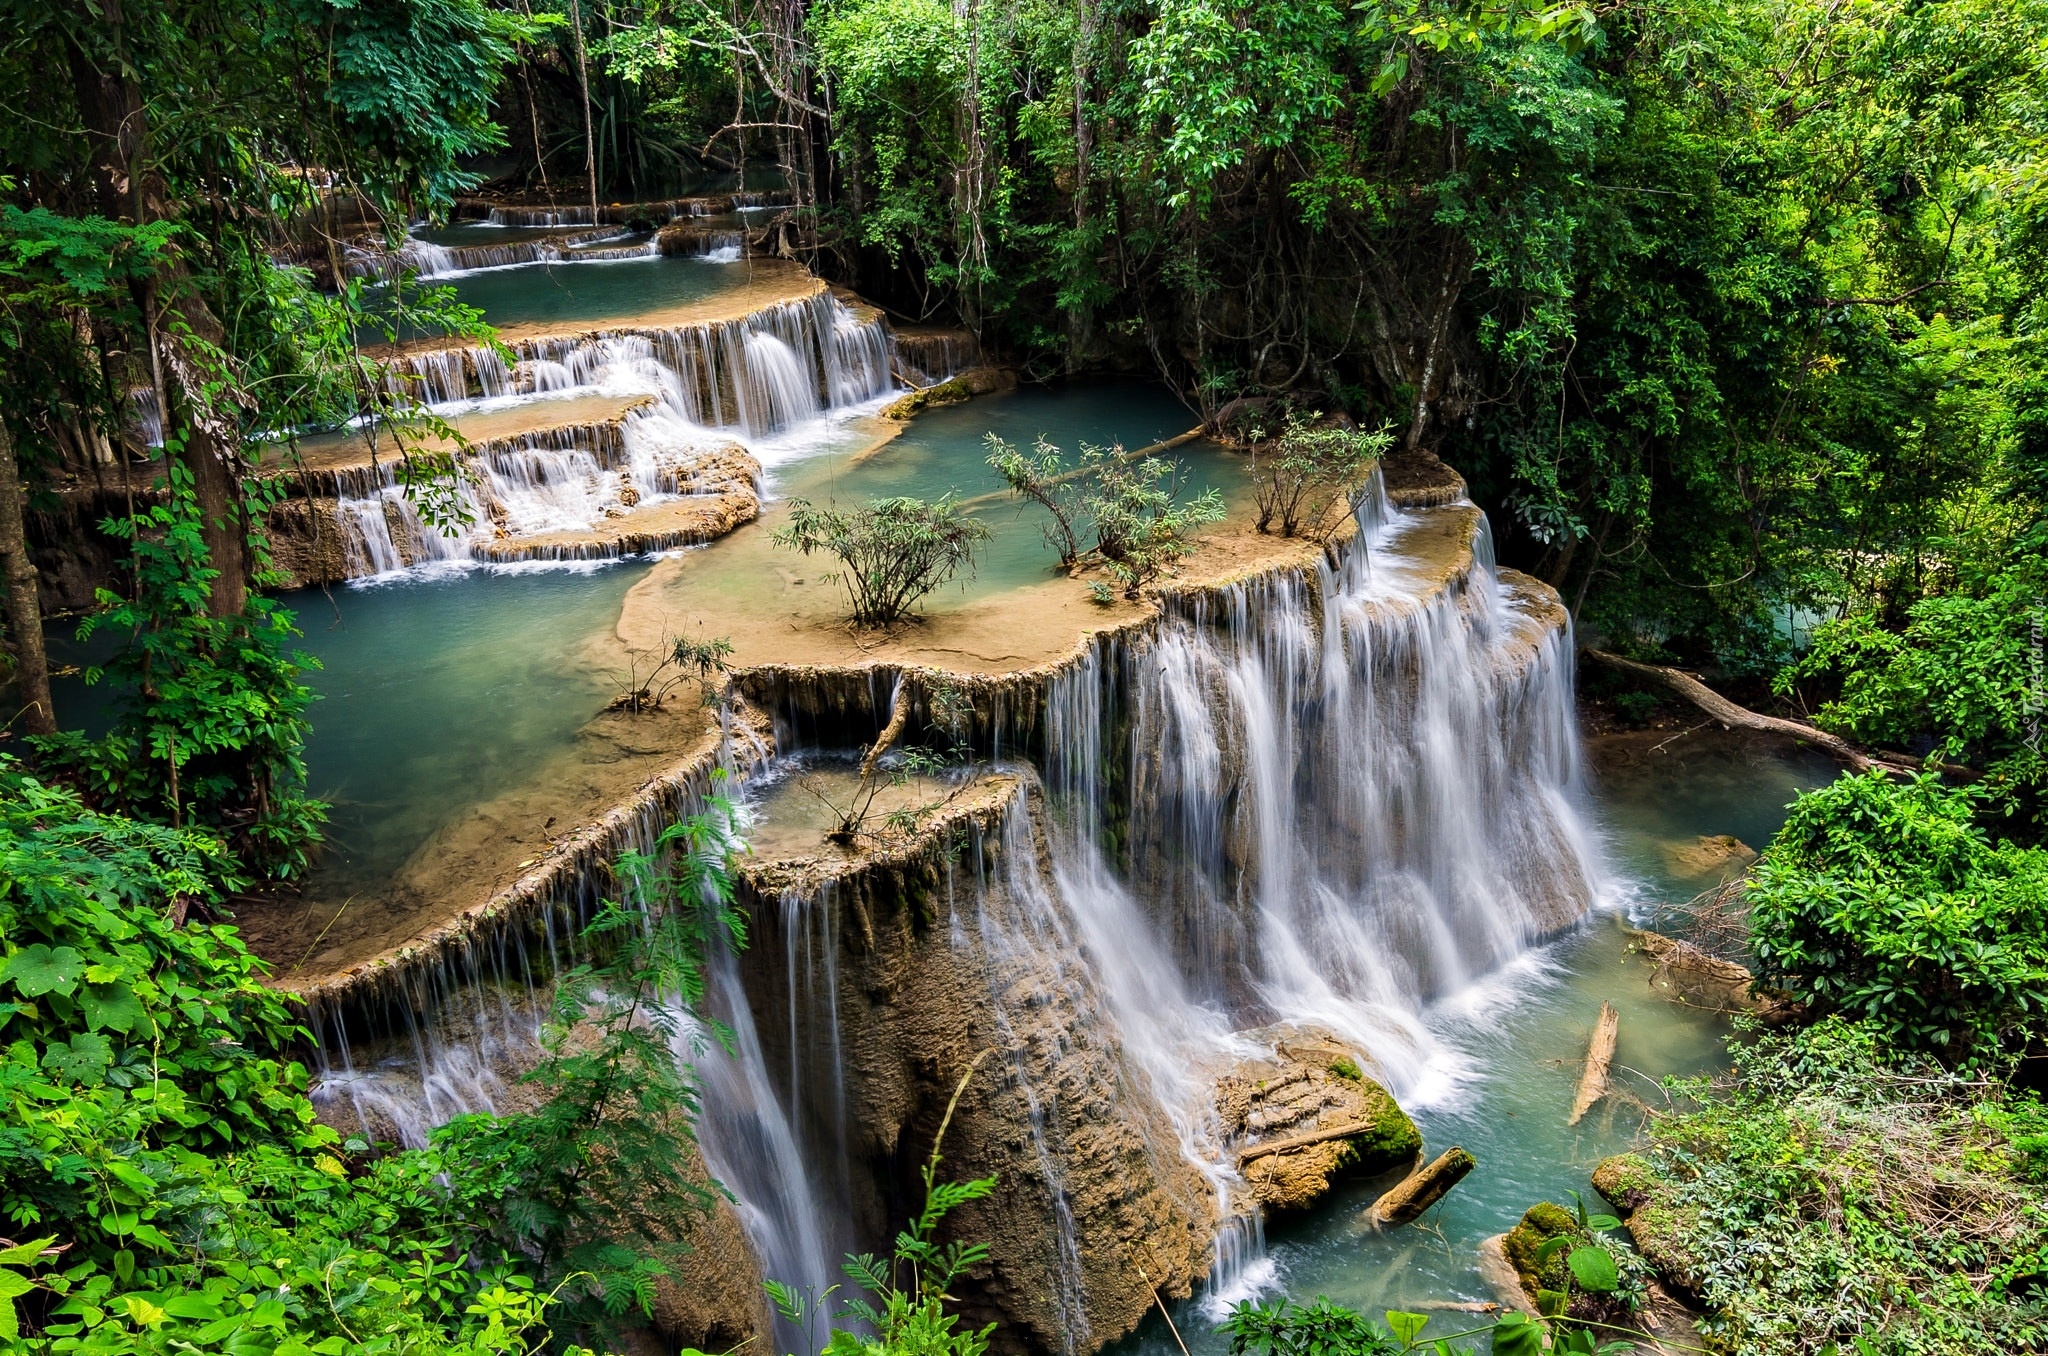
column 1730, row 312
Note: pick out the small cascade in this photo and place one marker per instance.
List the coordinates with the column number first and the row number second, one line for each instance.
column 755, row 375
column 928, row 357
column 557, row 481
column 428, row 260
column 621, row 213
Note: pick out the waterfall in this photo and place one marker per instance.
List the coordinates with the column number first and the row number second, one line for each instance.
column 561, row 481
column 755, row 375
column 1324, row 797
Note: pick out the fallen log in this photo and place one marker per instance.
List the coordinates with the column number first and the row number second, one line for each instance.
column 1599, row 1056
column 1741, row 717
column 1407, row 1199
column 1303, row 1141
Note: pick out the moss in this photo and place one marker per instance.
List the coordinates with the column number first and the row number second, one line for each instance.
column 1625, row 1180
column 1661, row 1232
column 1345, row 1068
column 1392, row 1142
column 1543, row 1222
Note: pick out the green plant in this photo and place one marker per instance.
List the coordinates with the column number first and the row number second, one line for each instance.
column 1834, row 1191
column 892, row 554
column 1043, row 477
column 680, row 659
column 150, row 1120
column 1309, row 470
column 591, row 1185
column 904, row 1309
column 210, row 718
column 1141, row 528
column 1887, row 901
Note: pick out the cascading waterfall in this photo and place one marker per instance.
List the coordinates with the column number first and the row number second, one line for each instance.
column 1344, row 793
column 563, row 481
column 1321, row 797
column 755, row 375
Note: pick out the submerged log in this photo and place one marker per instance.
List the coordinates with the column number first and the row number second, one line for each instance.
column 1407, row 1199
column 1599, row 1055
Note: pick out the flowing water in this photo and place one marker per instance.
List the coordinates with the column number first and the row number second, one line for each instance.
column 441, row 689
column 1512, row 1044
column 1354, row 802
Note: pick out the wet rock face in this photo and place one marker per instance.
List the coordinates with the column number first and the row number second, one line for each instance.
column 942, row 958
column 1306, row 1117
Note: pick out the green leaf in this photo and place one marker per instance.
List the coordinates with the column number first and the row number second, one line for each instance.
column 1406, row 1327
column 82, row 1060
column 1594, row 1270
column 1552, row 1247
column 191, row 1306
column 22, row 1254
column 1517, row 1335
column 113, row 1006
column 37, row 970
column 1603, row 1222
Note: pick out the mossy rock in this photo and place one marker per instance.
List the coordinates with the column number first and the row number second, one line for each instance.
column 1542, row 1222
column 1391, row 1143
column 1626, row 1181
column 1659, row 1228
column 1662, row 1232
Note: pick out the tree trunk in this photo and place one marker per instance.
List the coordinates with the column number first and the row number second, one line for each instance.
column 129, row 189
column 24, row 608
column 583, row 88
column 1599, row 1058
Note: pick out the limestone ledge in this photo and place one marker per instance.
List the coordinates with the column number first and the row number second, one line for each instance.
column 554, row 877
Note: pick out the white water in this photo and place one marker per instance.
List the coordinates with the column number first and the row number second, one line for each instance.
column 1344, row 796
column 768, row 381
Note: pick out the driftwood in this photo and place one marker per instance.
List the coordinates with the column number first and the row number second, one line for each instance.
column 1740, row 717
column 1303, row 1141
column 890, row 734
column 1599, row 1055
column 1408, row 1198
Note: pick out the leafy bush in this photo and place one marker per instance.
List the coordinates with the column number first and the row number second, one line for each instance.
column 1886, row 901
column 1043, row 477
column 1958, row 679
column 1309, row 470
column 892, row 553
column 1141, row 530
column 1831, row 1191
column 210, row 719
column 1130, row 506
column 152, row 1125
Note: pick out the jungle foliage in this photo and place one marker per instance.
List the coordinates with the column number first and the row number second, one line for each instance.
column 161, row 1162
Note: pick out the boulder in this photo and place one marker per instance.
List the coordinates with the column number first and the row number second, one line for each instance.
column 985, row 380
column 1305, row 1117
column 1660, row 1228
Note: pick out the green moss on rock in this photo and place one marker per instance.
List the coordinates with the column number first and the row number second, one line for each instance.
column 1543, row 1221
column 1626, row 1181
column 1392, row 1142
